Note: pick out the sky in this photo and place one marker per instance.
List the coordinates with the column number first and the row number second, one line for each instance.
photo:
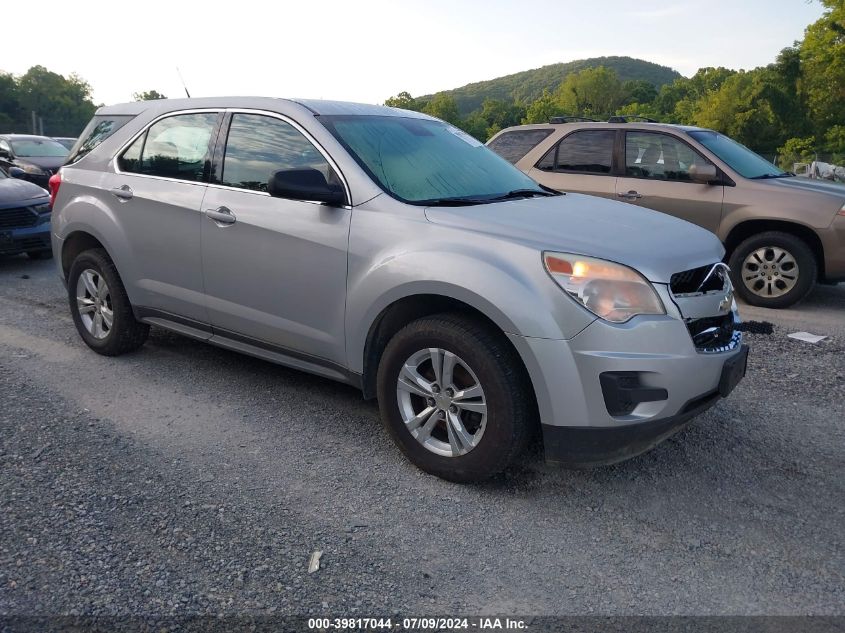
column 368, row 50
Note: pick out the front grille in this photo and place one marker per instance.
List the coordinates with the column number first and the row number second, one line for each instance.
column 18, row 217
column 26, row 244
column 689, row 281
column 714, row 334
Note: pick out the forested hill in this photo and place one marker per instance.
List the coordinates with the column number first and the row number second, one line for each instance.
column 528, row 85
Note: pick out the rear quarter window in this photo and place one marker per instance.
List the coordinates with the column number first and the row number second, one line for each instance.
column 514, row 145
column 98, row 130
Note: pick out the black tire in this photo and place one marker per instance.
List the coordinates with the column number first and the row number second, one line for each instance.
column 126, row 333
column 795, row 246
column 45, row 254
column 511, row 412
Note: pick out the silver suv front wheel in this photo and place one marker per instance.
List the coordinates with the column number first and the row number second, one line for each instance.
column 442, row 402
column 455, row 397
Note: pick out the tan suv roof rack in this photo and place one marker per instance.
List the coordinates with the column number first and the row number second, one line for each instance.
column 630, row 117
column 571, row 119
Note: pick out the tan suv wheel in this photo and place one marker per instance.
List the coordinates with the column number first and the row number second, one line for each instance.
column 773, row 269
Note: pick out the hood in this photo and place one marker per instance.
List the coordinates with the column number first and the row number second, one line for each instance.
column 17, row 192
column 44, row 162
column 651, row 242
column 797, row 183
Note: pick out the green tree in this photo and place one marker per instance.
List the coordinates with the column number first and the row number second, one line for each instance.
column 542, row 109
column 149, row 95
column 443, row 107
column 63, row 103
column 595, row 92
column 647, row 110
column 476, row 125
column 787, row 97
column 796, row 150
column 9, row 105
column 740, row 108
column 822, row 55
column 677, row 101
column 500, row 114
column 638, row 91
column 834, row 144
column 403, row 100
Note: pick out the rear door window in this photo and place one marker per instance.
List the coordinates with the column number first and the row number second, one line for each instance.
column 175, row 147
column 514, row 145
column 98, row 130
column 586, row 152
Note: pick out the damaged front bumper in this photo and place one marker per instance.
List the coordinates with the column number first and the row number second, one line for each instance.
column 615, row 390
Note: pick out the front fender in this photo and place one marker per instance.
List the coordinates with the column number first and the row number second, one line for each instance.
column 505, row 281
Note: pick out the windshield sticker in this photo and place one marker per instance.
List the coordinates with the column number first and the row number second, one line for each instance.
column 466, row 138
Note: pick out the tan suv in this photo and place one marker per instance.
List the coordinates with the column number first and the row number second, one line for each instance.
column 781, row 233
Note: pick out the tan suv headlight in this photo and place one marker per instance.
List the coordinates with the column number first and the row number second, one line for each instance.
column 609, row 290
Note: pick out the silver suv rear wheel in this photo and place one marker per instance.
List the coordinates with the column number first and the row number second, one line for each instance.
column 93, row 301
column 100, row 307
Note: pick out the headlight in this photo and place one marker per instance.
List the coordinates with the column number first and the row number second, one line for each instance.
column 35, row 170
column 611, row 291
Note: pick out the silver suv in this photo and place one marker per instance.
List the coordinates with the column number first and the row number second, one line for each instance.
column 388, row 250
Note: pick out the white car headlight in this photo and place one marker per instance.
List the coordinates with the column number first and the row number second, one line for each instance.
column 609, row 290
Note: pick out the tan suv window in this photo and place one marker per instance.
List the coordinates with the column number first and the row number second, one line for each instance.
column 659, row 157
column 514, row 145
column 588, row 152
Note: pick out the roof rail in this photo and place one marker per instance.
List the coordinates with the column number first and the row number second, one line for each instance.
column 571, row 119
column 629, row 117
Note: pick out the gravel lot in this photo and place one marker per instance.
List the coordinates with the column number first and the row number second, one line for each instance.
column 185, row 479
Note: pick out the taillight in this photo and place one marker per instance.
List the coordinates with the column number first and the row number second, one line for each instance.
column 54, row 183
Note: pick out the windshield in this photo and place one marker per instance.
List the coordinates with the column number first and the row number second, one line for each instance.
column 422, row 161
column 39, row 148
column 738, row 157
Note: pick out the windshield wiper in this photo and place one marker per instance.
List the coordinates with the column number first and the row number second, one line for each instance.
column 523, row 193
column 465, row 202
column 450, row 202
column 786, row 174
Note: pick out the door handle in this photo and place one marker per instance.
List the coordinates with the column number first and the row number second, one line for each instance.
column 122, row 193
column 221, row 215
column 630, row 195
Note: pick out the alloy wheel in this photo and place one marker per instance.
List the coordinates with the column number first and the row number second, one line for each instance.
column 442, row 402
column 770, row 271
column 93, row 302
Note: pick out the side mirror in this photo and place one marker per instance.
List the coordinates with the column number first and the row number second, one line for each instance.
column 4, row 153
column 17, row 172
column 305, row 184
column 703, row 173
